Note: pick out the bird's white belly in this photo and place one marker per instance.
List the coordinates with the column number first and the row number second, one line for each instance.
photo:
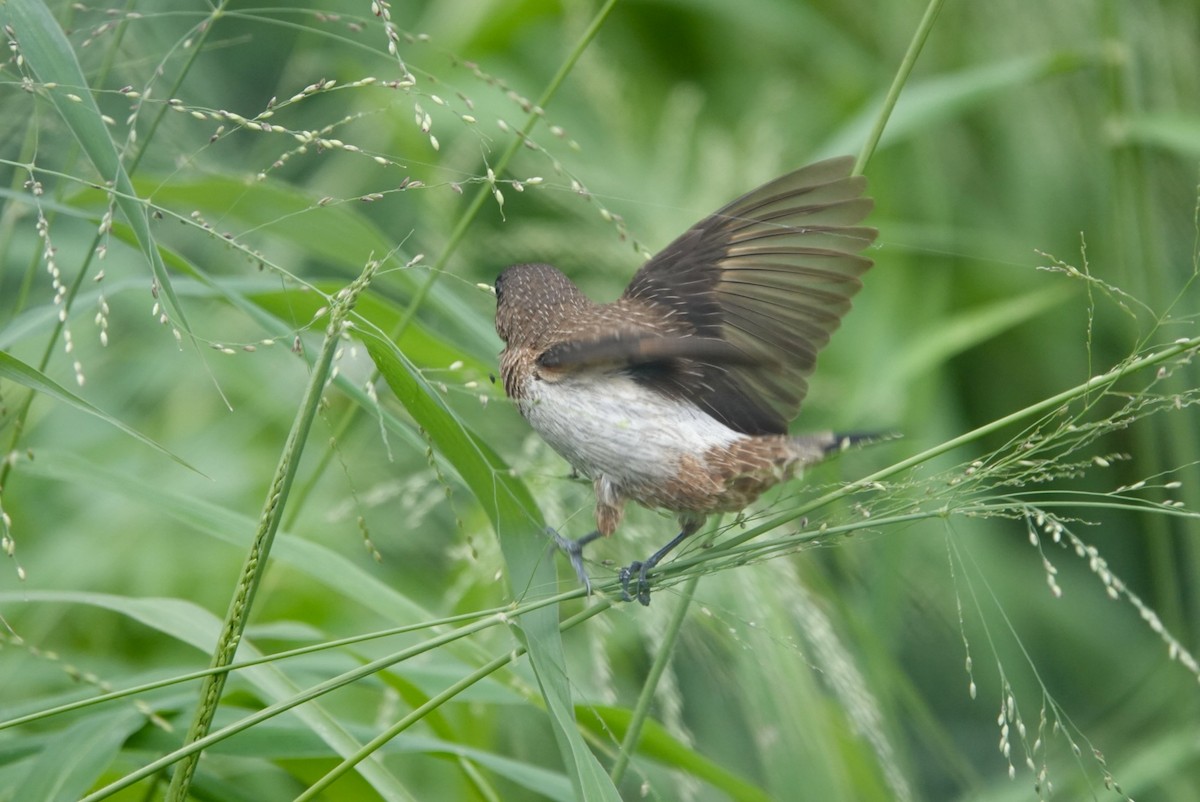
column 606, row 424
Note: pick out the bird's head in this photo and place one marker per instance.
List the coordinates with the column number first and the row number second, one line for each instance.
column 532, row 299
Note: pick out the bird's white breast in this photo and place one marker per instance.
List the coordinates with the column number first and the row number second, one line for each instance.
column 607, row 424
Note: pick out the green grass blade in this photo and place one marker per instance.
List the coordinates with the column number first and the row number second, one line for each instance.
column 505, row 500
column 17, row 371
column 72, row 760
column 518, row 523
column 272, row 513
column 656, row 743
column 323, row 565
column 190, row 624
column 959, row 333
column 641, row 710
column 1173, row 132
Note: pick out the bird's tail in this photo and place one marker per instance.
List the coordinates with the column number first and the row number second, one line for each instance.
column 841, row 441
column 815, row 447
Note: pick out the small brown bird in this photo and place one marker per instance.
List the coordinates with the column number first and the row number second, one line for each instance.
column 678, row 394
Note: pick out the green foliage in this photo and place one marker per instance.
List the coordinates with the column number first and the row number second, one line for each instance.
column 1004, row 603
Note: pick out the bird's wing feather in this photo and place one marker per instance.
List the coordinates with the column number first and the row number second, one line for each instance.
column 630, row 349
column 771, row 274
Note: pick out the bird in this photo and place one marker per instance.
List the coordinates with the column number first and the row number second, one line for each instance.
column 678, row 395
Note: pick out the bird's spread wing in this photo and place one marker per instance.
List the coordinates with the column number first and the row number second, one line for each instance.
column 771, row 274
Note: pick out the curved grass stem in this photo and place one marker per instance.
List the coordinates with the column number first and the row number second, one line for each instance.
column 893, row 95
column 1053, row 402
column 641, row 709
column 434, row 703
column 260, row 548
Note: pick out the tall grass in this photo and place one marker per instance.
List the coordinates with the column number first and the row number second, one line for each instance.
column 997, row 605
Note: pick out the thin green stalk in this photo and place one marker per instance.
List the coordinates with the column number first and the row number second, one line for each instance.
column 744, row 552
column 1053, row 402
column 269, row 712
column 717, row 559
column 197, row 47
column 8, row 225
column 375, row 744
column 333, row 684
column 435, row 702
column 300, row 651
column 477, row 780
column 460, row 230
column 641, row 710
column 893, row 95
column 256, row 560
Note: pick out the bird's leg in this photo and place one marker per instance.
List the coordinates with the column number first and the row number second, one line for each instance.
column 574, row 552
column 690, row 523
column 610, row 507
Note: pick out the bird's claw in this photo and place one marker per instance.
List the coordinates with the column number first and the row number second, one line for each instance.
column 643, row 583
column 640, row 571
column 574, row 551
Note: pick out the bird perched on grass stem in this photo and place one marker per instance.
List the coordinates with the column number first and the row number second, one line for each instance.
column 678, row 394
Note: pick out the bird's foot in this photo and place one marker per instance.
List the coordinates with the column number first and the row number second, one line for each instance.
column 574, row 552
column 641, row 570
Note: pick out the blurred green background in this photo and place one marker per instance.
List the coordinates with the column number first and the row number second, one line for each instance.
column 1029, row 135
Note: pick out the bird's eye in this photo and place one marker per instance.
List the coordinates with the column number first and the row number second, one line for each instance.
column 499, row 286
